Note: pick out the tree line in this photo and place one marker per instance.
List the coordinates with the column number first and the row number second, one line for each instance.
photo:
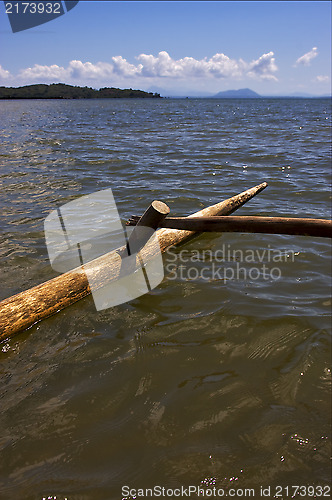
column 64, row 91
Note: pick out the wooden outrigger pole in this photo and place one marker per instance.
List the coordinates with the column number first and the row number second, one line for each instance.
column 248, row 224
column 31, row 306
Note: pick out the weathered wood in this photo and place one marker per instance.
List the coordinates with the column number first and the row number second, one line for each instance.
column 27, row 308
column 168, row 237
column 248, row 224
column 150, row 220
column 144, row 228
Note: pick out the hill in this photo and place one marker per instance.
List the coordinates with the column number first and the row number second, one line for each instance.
column 63, row 91
column 236, row 94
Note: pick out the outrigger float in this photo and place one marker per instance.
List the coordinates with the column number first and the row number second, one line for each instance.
column 27, row 308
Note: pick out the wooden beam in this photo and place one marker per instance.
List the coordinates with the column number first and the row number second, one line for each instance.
column 150, row 220
column 248, row 224
column 31, row 306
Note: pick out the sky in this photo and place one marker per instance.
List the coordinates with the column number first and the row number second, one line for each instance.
column 177, row 47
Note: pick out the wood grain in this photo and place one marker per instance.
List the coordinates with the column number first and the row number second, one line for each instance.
column 31, row 306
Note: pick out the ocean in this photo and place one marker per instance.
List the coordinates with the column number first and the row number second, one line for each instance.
column 217, row 381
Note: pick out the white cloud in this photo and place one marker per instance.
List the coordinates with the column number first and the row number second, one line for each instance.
column 4, row 74
column 307, row 58
column 264, row 67
column 218, row 66
column 75, row 70
column 162, row 66
column 322, row 79
column 53, row 72
column 78, row 69
column 123, row 68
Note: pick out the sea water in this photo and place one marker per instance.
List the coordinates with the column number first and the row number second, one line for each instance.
column 220, row 377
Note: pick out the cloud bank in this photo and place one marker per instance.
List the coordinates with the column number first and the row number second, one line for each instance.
column 4, row 74
column 162, row 66
column 306, row 59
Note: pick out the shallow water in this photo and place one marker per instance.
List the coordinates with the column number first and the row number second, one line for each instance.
column 211, row 379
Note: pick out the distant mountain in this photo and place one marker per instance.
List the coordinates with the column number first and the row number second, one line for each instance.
column 241, row 93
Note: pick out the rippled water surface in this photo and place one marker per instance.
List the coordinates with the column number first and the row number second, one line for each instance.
column 210, row 379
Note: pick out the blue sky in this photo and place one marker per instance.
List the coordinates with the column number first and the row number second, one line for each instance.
column 181, row 47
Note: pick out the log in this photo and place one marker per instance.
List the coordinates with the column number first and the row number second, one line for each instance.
column 151, row 219
column 248, row 224
column 26, row 308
